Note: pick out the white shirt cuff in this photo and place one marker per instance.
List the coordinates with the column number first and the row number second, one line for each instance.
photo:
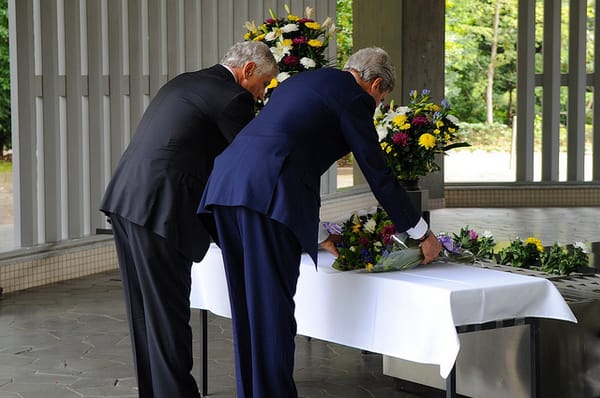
column 323, row 233
column 418, row 230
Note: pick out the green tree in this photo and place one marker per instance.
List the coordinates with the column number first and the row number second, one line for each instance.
column 481, row 58
column 5, row 127
column 344, row 31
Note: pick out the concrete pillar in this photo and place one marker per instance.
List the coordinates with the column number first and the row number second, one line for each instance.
column 413, row 33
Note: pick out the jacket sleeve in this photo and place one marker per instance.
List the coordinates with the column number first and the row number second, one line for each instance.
column 235, row 115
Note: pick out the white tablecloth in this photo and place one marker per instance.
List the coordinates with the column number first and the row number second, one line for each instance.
column 410, row 314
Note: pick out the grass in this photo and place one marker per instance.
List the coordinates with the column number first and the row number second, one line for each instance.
column 5, row 167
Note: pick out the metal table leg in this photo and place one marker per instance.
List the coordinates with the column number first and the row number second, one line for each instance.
column 534, row 350
column 204, row 352
column 451, row 383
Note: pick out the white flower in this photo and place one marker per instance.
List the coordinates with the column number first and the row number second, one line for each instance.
column 280, row 50
column 307, row 62
column 381, row 131
column 272, row 35
column 282, row 76
column 581, row 245
column 291, row 27
column 487, row 234
column 308, row 12
column 453, row 119
column 250, row 25
column 370, row 226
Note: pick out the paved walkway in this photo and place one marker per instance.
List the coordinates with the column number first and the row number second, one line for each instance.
column 70, row 339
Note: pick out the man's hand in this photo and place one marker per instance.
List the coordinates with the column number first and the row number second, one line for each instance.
column 329, row 244
column 431, row 248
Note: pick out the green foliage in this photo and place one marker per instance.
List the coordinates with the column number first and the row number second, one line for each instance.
column 520, row 254
column 564, row 260
column 5, row 127
column 481, row 245
column 344, row 31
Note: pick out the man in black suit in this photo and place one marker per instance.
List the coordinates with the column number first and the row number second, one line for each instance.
column 152, row 199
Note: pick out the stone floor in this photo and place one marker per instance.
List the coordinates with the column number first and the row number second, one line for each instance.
column 70, row 339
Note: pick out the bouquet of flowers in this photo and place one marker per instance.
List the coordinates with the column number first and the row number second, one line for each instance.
column 298, row 44
column 366, row 237
column 411, row 136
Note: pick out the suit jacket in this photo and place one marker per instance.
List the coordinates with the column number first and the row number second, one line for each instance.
column 161, row 176
column 274, row 165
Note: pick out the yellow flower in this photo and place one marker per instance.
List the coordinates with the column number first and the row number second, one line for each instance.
column 386, row 147
column 399, row 120
column 247, row 36
column 369, row 266
column 259, row 37
column 451, row 129
column 536, row 242
column 435, row 107
column 356, row 228
column 427, row 141
column 315, row 43
column 274, row 83
column 313, row 25
column 287, row 42
column 293, row 18
column 439, row 123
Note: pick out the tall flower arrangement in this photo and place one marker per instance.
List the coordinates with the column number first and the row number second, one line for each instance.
column 297, row 43
column 412, row 135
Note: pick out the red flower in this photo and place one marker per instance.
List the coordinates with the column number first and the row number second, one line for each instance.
column 363, row 241
column 299, row 40
column 420, row 120
column 387, row 233
column 400, row 138
column 291, row 60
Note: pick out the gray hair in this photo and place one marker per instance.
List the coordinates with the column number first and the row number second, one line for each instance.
column 254, row 51
column 371, row 63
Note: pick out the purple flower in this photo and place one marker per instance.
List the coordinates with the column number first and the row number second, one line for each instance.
column 473, row 235
column 333, row 228
column 448, row 243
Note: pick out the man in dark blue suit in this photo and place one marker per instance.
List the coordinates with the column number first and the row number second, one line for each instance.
column 264, row 194
column 152, row 198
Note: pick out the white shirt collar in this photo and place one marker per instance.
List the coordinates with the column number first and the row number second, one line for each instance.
column 231, row 71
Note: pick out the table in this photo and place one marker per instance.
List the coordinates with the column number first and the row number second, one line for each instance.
column 413, row 315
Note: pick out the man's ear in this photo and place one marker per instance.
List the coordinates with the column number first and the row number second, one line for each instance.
column 248, row 69
column 376, row 84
